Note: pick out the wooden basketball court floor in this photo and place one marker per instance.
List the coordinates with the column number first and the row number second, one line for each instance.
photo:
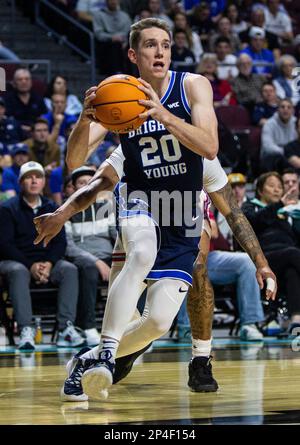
column 259, row 384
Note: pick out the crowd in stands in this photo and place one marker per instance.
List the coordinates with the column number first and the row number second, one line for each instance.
column 249, row 51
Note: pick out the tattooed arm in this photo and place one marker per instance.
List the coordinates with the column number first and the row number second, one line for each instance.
column 224, row 200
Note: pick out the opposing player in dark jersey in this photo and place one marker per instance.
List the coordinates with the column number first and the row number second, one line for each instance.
column 164, row 155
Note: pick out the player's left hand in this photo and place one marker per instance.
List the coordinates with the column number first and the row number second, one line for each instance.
column 266, row 274
column 154, row 105
column 47, row 226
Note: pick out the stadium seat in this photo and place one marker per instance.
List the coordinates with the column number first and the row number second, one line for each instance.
column 238, row 120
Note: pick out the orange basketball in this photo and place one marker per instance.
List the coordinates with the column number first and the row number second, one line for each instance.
column 116, row 103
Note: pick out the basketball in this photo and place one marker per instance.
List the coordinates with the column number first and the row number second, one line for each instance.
column 116, row 103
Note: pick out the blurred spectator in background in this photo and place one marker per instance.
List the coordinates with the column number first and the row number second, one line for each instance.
column 42, row 148
column 247, row 85
column 278, row 22
column 155, row 8
column 296, row 44
column 58, row 106
column 85, row 10
column 173, row 7
column 3, row 195
column 5, row 158
column 133, row 7
column 290, row 178
column 292, row 150
column 224, row 29
column 193, row 39
column 237, row 24
column 23, row 262
column 222, row 92
column 182, row 58
column 263, row 58
column 111, row 28
column 269, row 105
column 201, row 23
column 68, row 187
column 7, row 54
column 10, row 129
column 23, row 103
column 90, row 241
column 10, row 178
column 226, row 60
column 258, row 20
column 277, row 132
column 277, row 238
column 215, row 7
column 58, row 85
column 285, row 82
column 59, row 122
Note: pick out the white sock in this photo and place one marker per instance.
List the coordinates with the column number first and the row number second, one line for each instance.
column 201, row 348
column 108, row 349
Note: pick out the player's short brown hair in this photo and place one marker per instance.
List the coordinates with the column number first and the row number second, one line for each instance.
column 138, row 27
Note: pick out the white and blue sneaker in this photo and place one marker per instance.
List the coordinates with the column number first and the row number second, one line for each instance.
column 26, row 342
column 99, row 376
column 70, row 337
column 72, row 389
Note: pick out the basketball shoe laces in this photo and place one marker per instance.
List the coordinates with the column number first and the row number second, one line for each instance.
column 75, row 378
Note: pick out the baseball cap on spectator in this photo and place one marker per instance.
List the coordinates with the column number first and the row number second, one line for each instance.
column 81, row 171
column 29, row 167
column 236, row 178
column 19, row 148
column 256, row 31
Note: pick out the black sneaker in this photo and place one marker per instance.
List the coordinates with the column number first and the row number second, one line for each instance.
column 125, row 364
column 200, row 375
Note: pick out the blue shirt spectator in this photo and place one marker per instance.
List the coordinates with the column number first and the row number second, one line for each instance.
column 10, row 178
column 216, row 6
column 258, row 53
column 267, row 107
column 23, row 103
column 10, row 130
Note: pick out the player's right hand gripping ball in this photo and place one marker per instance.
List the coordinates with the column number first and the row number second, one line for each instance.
column 116, row 103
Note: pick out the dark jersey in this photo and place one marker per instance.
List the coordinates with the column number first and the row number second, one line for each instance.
column 156, row 161
column 164, row 181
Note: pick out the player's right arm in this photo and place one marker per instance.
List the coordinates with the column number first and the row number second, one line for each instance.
column 220, row 192
column 50, row 224
column 86, row 135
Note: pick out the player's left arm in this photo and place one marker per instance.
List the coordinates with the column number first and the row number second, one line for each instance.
column 202, row 135
column 225, row 201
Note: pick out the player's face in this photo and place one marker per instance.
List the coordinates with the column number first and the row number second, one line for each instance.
column 153, row 55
